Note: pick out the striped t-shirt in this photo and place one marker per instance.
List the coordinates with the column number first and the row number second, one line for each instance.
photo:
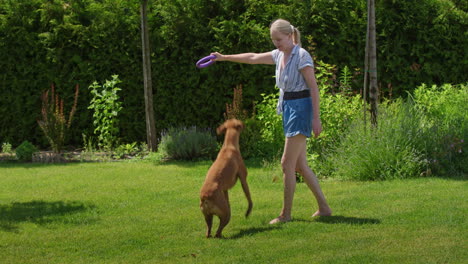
column 290, row 78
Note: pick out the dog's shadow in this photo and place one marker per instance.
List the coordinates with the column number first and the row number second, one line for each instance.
column 252, row 231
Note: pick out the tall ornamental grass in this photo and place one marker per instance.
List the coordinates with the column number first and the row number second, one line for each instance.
column 385, row 152
column 420, row 136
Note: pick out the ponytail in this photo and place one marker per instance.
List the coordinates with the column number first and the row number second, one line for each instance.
column 296, row 35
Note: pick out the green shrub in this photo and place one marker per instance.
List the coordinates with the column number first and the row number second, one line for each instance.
column 445, row 108
column 187, row 144
column 106, row 107
column 446, row 103
column 337, row 112
column 6, row 148
column 25, row 151
column 338, row 109
column 155, row 157
column 125, row 150
column 250, row 139
column 270, row 125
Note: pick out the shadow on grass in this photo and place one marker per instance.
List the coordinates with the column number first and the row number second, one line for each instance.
column 252, row 231
column 250, row 163
column 339, row 219
column 28, row 165
column 40, row 212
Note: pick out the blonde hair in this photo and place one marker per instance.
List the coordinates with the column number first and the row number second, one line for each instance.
column 285, row 27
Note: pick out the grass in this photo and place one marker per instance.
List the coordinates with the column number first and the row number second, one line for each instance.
column 138, row 212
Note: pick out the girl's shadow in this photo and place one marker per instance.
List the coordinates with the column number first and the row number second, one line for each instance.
column 339, row 219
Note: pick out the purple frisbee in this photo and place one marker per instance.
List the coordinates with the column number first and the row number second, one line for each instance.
column 206, row 61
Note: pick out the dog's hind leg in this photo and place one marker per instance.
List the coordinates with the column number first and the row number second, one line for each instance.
column 209, row 224
column 225, row 213
column 226, row 196
column 206, row 207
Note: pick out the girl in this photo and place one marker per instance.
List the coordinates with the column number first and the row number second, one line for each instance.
column 299, row 104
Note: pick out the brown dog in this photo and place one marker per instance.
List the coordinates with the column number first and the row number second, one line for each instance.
column 222, row 176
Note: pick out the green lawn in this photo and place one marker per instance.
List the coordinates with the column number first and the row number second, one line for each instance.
column 138, row 212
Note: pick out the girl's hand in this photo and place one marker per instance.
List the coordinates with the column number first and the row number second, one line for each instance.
column 316, row 127
column 219, row 56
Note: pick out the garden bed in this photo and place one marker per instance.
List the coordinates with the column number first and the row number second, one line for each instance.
column 68, row 156
column 7, row 156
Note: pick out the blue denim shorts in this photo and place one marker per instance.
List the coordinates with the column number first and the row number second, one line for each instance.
column 297, row 117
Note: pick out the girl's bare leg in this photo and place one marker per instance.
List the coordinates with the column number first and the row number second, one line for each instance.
column 312, row 182
column 289, row 160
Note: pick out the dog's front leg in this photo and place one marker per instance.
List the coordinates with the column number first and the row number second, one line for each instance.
column 242, row 174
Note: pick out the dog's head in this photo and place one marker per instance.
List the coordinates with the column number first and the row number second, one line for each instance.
column 230, row 124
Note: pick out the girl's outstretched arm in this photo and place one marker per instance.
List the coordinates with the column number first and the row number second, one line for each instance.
column 249, row 58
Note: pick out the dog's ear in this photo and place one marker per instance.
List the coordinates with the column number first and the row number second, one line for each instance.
column 240, row 126
column 221, row 129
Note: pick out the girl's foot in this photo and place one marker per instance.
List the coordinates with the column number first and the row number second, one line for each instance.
column 279, row 219
column 323, row 213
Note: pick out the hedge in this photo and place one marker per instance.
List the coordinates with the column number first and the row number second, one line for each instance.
column 68, row 42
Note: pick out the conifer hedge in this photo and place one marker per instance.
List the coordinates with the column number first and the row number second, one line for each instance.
column 78, row 42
